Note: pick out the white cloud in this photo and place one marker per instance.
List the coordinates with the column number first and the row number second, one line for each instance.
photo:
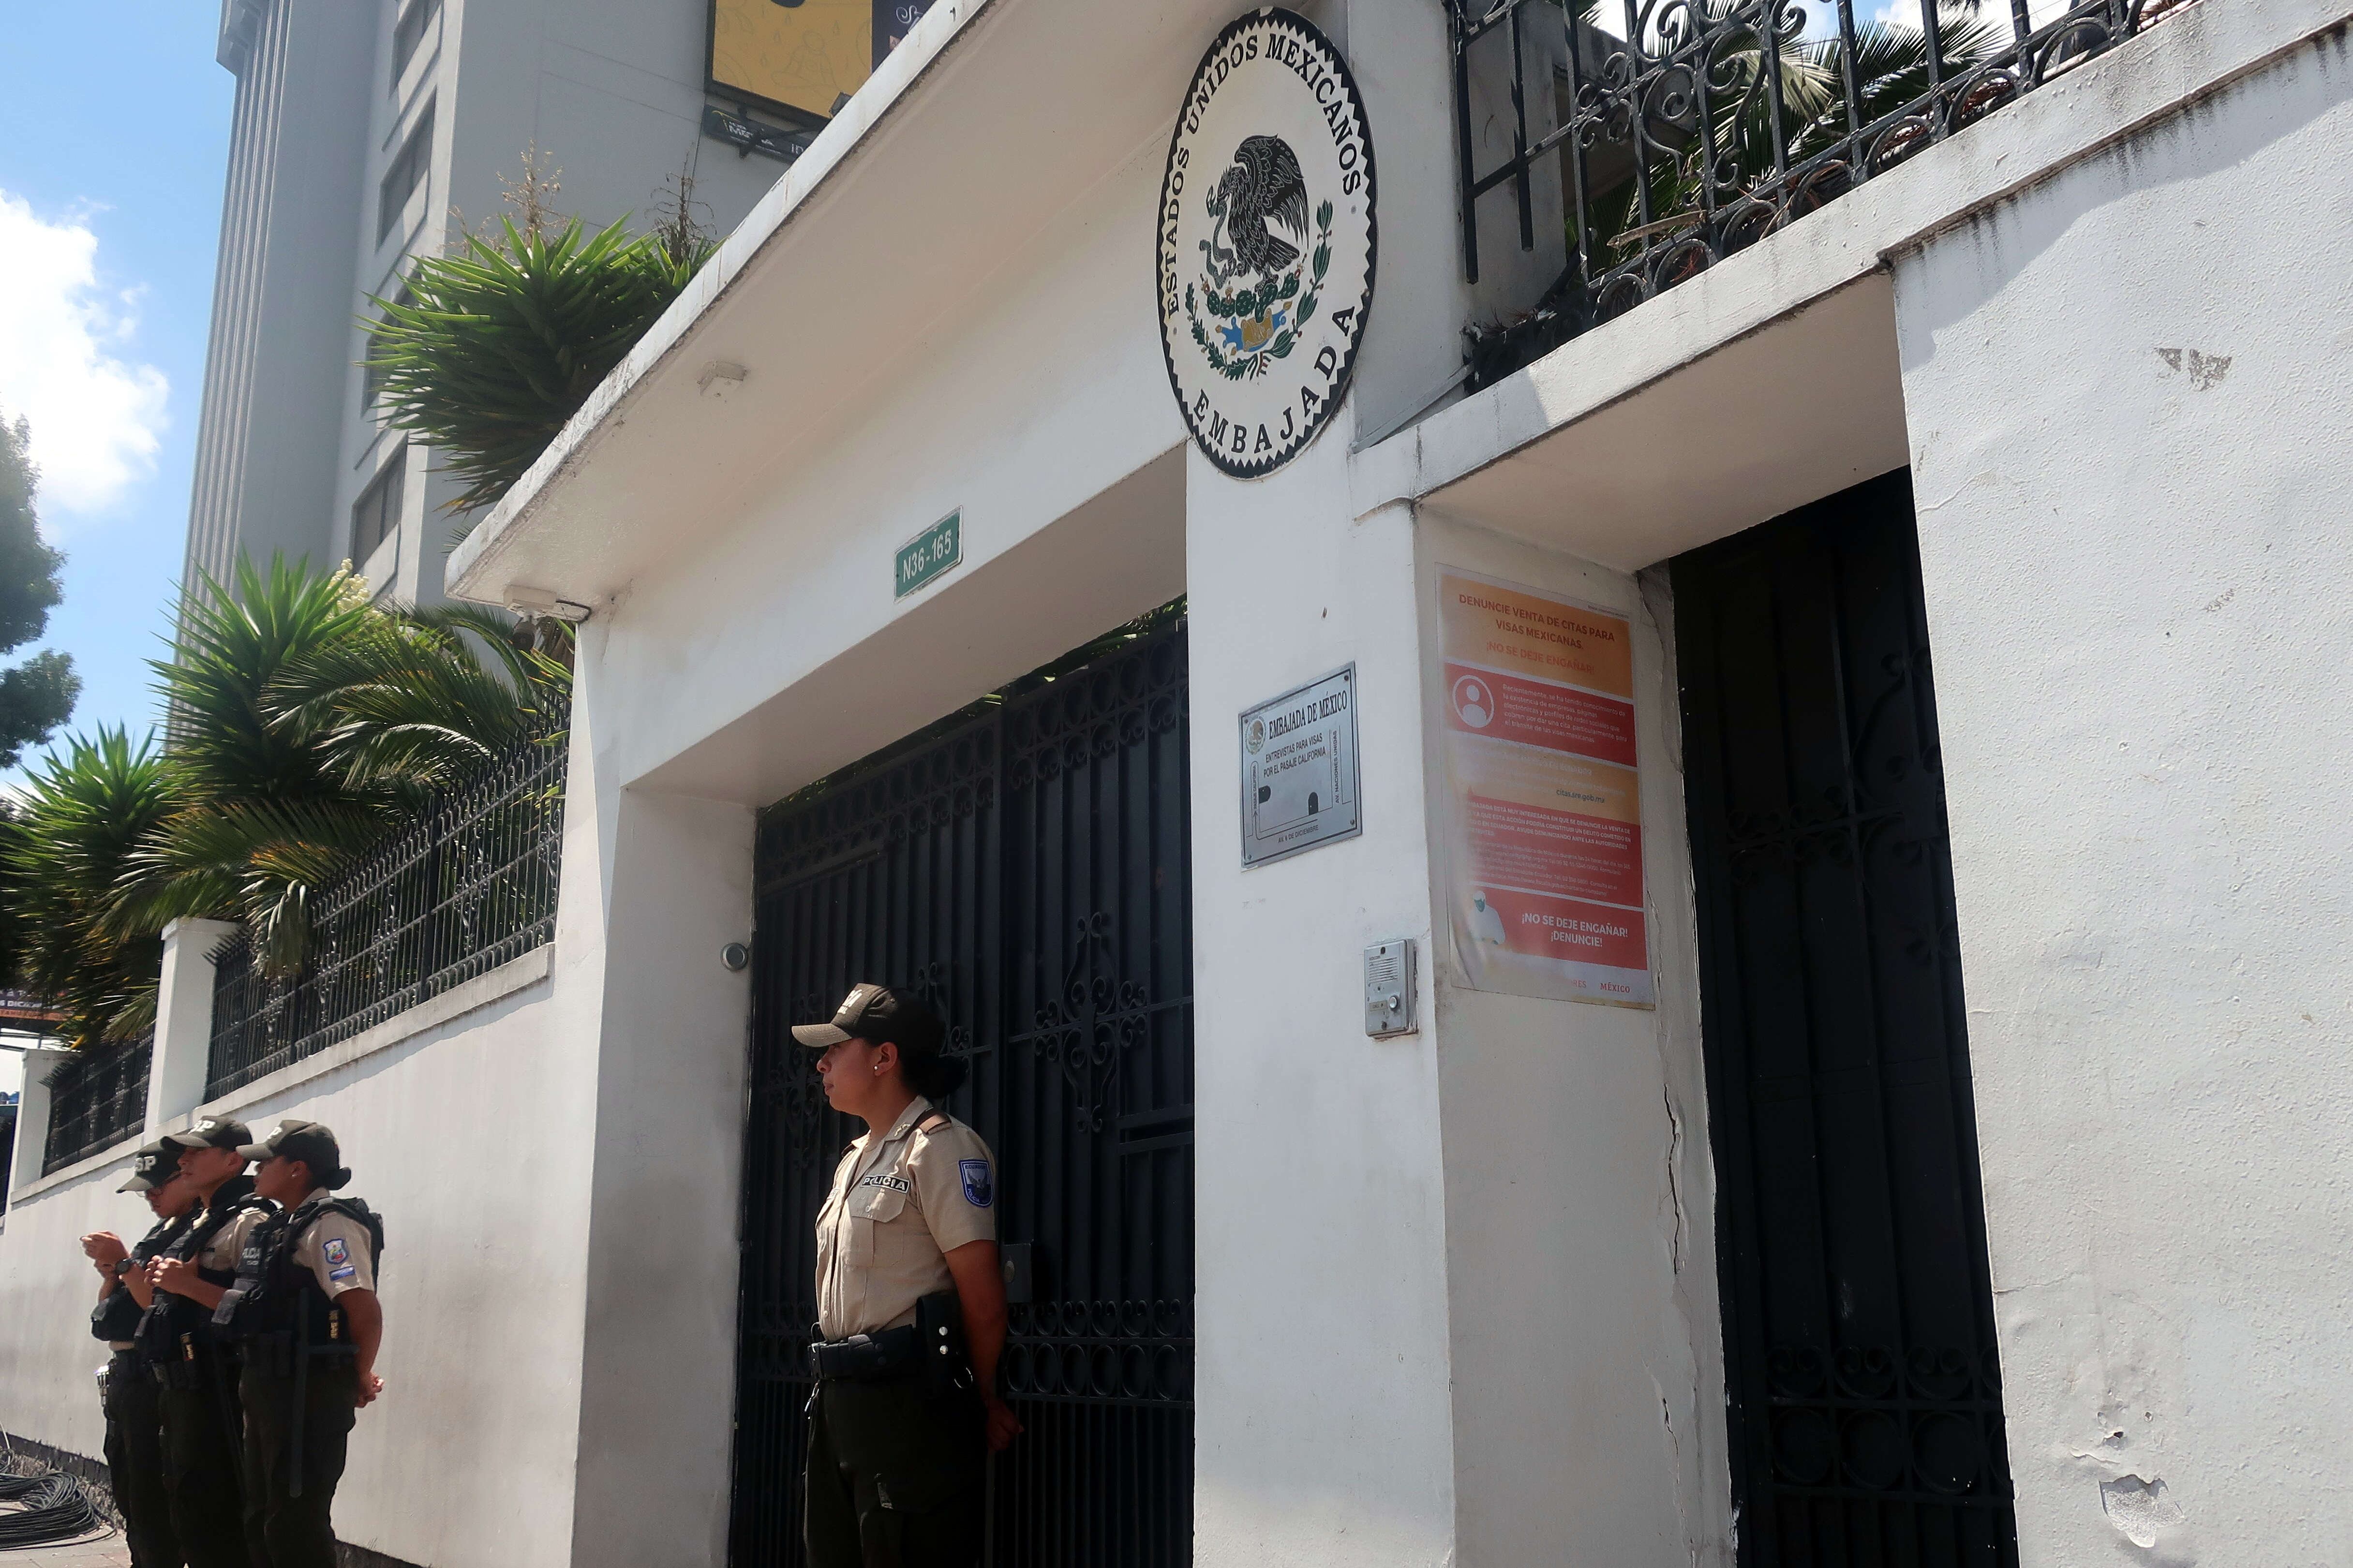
column 67, row 364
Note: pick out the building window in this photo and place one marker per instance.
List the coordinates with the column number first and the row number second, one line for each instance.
column 409, row 32
column 408, row 172
column 376, row 514
column 371, row 376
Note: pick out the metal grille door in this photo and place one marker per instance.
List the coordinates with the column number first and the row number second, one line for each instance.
column 1858, row 1316
column 1027, row 867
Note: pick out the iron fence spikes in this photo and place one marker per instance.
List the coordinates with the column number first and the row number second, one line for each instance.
column 1704, row 125
column 466, row 887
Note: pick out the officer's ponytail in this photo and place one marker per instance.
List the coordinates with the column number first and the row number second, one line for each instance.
column 933, row 1078
column 337, row 1178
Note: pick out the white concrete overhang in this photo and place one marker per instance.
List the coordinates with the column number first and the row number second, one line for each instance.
column 992, row 117
column 1774, row 379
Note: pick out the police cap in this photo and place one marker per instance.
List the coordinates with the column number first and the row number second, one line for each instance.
column 212, row 1133
column 876, row 1014
column 152, row 1166
column 311, row 1143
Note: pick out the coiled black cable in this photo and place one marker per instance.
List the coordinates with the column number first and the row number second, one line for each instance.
column 55, row 1508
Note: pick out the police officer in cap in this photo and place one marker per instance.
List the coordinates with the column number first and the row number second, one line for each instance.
column 135, row 1444
column 911, row 1306
column 304, row 1312
column 204, row 1434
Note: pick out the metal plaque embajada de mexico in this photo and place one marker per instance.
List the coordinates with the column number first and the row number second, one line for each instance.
column 1299, row 770
column 1265, row 242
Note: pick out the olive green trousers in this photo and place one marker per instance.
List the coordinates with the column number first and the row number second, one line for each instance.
column 895, row 1473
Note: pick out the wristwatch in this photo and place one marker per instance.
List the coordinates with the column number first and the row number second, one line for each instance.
column 124, row 1265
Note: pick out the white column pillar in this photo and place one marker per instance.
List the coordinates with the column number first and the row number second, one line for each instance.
column 184, row 1020
column 32, row 1119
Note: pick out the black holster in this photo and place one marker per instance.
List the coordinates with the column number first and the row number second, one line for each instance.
column 948, row 1360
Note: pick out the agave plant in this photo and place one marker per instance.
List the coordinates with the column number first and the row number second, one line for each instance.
column 307, row 724
column 62, row 855
column 490, row 350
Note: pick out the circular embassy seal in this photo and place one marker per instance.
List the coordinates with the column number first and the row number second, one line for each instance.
column 1265, row 242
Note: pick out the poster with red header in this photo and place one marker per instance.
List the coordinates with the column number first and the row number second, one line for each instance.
column 1543, row 794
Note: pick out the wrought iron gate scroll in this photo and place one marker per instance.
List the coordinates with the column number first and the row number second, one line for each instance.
column 1027, row 866
column 1859, row 1337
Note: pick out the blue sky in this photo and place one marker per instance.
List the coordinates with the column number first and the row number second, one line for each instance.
column 113, row 136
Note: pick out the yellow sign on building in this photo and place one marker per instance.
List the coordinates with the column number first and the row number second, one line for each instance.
column 805, row 55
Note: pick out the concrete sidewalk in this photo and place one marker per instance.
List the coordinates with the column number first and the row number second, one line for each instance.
column 107, row 1551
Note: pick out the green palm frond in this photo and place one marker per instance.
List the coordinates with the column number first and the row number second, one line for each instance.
column 87, row 809
column 1749, row 142
column 309, row 725
column 493, row 348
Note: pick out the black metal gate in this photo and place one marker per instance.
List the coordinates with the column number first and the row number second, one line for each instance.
column 1025, row 865
column 1866, row 1398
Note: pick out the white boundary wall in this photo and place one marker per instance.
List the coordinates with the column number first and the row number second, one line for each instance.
column 2128, row 391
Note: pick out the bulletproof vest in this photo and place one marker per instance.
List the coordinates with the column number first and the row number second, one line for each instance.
column 274, row 1294
column 117, row 1317
column 175, row 1324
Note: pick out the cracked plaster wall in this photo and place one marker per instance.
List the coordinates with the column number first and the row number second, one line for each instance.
column 2128, row 391
column 1588, row 1366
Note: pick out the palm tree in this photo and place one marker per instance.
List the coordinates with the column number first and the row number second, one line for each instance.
column 67, row 848
column 307, row 725
column 490, row 351
column 1746, row 145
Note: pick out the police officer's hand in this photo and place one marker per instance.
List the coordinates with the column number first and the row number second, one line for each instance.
column 370, row 1387
column 105, row 1249
column 175, row 1275
column 1003, row 1425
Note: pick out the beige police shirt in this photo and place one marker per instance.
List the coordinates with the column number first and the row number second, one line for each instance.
column 900, row 1203
column 334, row 1248
column 227, row 1245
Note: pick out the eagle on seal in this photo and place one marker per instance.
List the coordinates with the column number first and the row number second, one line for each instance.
column 1264, row 182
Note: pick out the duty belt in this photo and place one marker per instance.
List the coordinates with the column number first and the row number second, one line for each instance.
column 869, row 1358
column 276, row 1355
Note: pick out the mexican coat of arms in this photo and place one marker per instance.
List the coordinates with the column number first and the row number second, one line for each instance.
column 1266, row 242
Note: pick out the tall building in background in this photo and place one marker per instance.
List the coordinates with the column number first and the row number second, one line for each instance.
column 360, row 127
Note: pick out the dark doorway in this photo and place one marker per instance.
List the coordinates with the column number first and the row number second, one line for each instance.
column 1865, row 1394
column 1027, row 865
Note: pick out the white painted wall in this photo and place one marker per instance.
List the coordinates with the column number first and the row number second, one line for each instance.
column 2137, row 574
column 1580, row 1197
column 658, row 1371
column 1322, row 1432
column 468, row 1138
column 47, row 1289
column 1018, row 417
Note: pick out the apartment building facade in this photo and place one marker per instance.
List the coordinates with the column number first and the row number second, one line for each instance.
column 366, row 134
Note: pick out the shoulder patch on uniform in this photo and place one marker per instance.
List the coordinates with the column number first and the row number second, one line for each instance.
column 337, row 1254
column 979, row 1187
column 345, row 1272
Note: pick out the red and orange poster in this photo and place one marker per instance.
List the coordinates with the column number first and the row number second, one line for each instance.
column 1544, row 795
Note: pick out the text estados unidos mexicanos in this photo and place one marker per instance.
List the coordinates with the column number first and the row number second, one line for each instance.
column 1531, row 619
column 1286, row 48
column 1307, row 714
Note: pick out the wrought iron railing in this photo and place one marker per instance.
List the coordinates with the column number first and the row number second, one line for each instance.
column 466, row 887
column 1684, row 131
column 98, row 1099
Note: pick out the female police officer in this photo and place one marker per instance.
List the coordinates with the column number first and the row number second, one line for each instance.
column 897, row 1424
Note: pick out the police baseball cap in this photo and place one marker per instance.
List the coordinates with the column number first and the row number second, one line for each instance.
column 152, row 1166
column 875, row 1014
column 311, row 1143
column 212, row 1133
